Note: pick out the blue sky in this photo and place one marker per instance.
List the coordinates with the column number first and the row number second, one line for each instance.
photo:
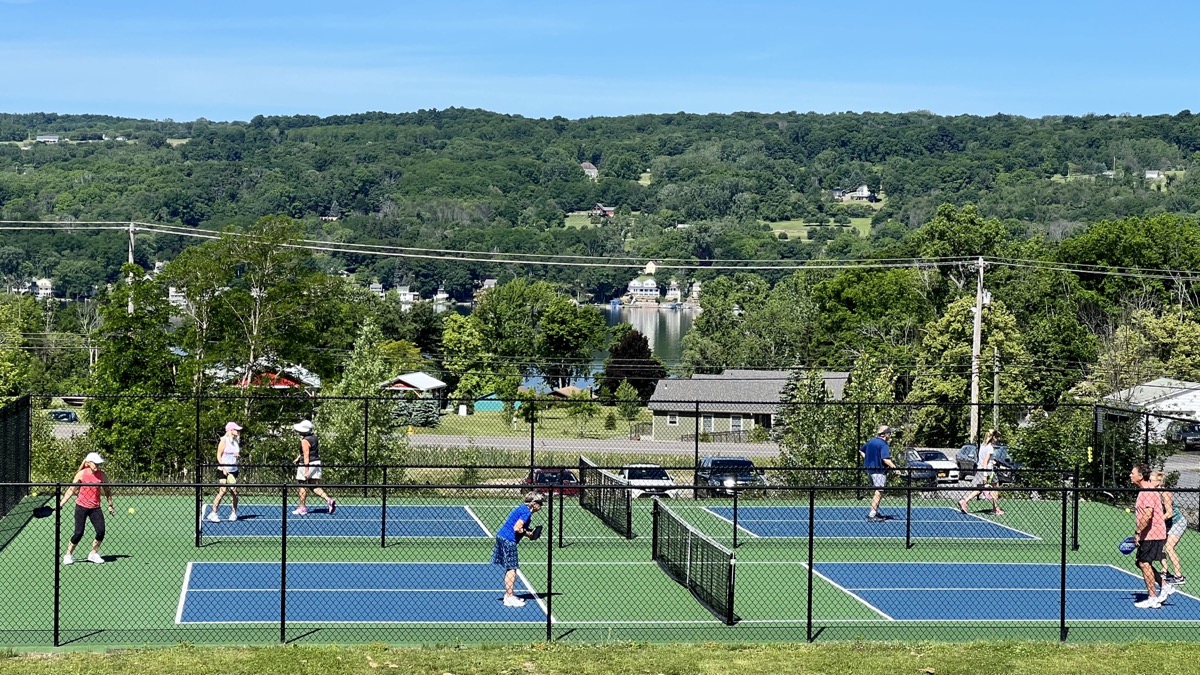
column 232, row 60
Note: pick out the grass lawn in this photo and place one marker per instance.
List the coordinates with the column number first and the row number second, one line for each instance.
column 552, row 423
column 798, row 229
column 579, row 220
column 175, row 142
column 850, row 657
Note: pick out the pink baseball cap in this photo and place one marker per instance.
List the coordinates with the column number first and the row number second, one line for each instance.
column 232, row 426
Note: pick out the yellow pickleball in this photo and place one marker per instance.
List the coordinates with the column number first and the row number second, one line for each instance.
column 132, row 510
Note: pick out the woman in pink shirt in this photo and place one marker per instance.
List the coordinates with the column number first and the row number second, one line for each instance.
column 89, row 481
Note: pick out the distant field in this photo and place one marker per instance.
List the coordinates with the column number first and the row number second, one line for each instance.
column 578, row 220
column 174, row 142
column 644, row 179
column 798, row 228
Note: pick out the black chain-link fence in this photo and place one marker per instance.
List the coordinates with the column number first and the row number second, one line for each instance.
column 411, row 561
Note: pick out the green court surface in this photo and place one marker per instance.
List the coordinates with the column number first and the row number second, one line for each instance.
column 603, row 587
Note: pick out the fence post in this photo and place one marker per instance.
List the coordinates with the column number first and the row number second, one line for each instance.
column 1146, row 440
column 57, row 560
column 1075, row 511
column 696, row 453
column 1062, row 574
column 383, row 510
column 532, row 438
column 550, row 565
column 809, row 603
column 366, row 441
column 908, row 516
column 283, row 491
column 197, row 479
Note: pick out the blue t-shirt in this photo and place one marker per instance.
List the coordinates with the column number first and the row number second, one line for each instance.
column 875, row 451
column 506, row 530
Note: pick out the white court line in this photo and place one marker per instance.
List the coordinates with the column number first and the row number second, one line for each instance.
column 337, row 519
column 537, row 596
column 993, row 588
column 998, row 524
column 854, row 595
column 1139, row 577
column 714, row 513
column 292, row 589
column 275, row 622
column 187, row 581
column 477, row 520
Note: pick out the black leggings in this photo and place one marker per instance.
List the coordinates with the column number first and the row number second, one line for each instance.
column 97, row 517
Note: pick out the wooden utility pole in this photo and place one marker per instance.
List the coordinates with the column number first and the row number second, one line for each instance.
column 976, row 345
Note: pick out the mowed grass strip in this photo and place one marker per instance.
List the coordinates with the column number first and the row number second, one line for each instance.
column 844, row 657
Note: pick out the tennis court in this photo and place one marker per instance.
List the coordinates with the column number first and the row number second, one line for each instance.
column 414, row 568
column 351, row 520
column 350, row 592
column 848, row 522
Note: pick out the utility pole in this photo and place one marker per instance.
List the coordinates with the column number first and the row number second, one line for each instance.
column 131, row 236
column 975, row 348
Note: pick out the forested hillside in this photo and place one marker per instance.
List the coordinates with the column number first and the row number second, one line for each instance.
column 748, row 185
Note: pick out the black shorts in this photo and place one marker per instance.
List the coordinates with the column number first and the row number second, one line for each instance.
column 1150, row 550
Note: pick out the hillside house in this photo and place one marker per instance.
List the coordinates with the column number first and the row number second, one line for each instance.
column 376, row 288
column 643, row 289
column 590, row 170
column 860, row 194
column 1154, row 175
column 42, row 289
column 51, row 139
column 673, row 293
column 268, row 375
column 601, row 211
column 407, row 296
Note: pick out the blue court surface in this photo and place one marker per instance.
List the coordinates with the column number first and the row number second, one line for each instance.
column 266, row 520
column 227, row 592
column 922, row 591
column 850, row 522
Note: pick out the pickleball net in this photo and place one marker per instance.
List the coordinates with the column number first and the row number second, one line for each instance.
column 695, row 560
column 612, row 504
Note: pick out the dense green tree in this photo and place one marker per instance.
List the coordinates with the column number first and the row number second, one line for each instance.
column 631, row 363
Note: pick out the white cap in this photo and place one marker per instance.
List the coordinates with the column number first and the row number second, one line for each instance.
column 304, row 426
column 94, row 458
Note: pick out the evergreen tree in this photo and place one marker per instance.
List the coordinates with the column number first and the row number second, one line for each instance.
column 631, row 360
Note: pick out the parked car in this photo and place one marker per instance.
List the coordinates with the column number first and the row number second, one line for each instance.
column 944, row 469
column 1006, row 469
column 915, row 471
column 1184, row 432
column 719, row 475
column 648, row 480
column 564, row 478
column 64, row 416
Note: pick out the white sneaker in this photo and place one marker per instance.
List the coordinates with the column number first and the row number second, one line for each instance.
column 94, row 557
column 1164, row 590
column 300, row 511
column 68, row 559
column 213, row 517
column 1149, row 603
column 232, row 516
column 513, row 601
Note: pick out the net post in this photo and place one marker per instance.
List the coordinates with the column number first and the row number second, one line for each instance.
column 550, row 563
column 811, row 523
column 1075, row 510
column 654, row 530
column 560, row 515
column 627, row 495
column 908, row 516
column 383, row 510
column 366, row 442
column 1062, row 573
column 729, row 616
column 57, row 561
column 735, row 516
column 283, row 492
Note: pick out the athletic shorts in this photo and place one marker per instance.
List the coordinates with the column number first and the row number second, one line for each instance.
column 1178, row 527
column 226, row 475
column 1150, row 550
column 315, row 475
column 878, row 479
column 504, row 554
column 982, row 478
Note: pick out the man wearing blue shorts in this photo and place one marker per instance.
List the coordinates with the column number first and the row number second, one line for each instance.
column 504, row 553
column 877, row 459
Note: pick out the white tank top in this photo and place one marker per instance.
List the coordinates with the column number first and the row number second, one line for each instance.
column 229, row 456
